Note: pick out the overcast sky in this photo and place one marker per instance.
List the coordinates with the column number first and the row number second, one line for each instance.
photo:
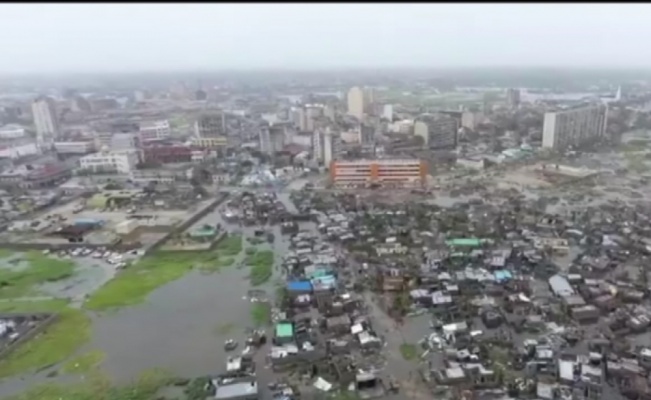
column 168, row 37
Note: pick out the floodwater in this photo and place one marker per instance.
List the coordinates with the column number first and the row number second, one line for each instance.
column 181, row 327
column 90, row 275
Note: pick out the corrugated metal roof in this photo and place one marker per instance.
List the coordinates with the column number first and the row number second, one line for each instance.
column 560, row 286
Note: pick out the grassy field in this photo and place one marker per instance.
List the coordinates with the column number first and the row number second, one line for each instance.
column 133, row 285
column 230, row 246
column 261, row 267
column 54, row 345
column 260, row 314
column 21, row 282
column 98, row 387
column 83, row 363
column 409, row 351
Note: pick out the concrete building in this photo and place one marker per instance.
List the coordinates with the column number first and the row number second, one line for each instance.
column 210, row 125
column 36, row 176
column 326, row 146
column 357, row 102
column 210, row 142
column 154, row 130
column 45, row 120
column 471, row 120
column 123, row 141
column 404, row 127
column 317, row 145
column 16, row 151
column 166, row 154
column 277, row 138
column 123, row 162
column 264, row 137
column 439, row 131
column 384, row 172
column 387, row 112
column 298, row 116
column 331, row 146
column 330, row 112
column 304, row 139
column 312, row 113
column 351, row 136
column 513, row 97
column 369, row 100
column 366, row 135
column 477, row 163
column 574, row 127
column 75, row 147
column 12, row 132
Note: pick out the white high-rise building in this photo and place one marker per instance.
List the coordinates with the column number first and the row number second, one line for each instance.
column 357, row 102
column 325, row 146
column 154, row 130
column 387, row 112
column 574, row 127
column 264, row 136
column 369, row 100
column 45, row 120
column 317, row 145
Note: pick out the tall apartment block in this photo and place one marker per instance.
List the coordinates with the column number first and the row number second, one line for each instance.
column 574, row 127
column 513, row 97
column 46, row 120
column 439, row 131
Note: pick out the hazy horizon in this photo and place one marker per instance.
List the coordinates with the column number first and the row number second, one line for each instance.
column 161, row 38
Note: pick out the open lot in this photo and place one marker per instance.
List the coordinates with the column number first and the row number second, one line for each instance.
column 151, row 225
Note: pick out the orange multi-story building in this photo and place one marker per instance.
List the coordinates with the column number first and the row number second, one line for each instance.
column 390, row 173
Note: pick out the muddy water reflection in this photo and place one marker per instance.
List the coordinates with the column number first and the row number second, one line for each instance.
column 178, row 328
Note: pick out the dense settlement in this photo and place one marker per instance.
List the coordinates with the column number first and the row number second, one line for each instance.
column 496, row 252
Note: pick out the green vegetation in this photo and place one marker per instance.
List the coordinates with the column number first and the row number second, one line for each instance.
column 54, row 345
column 251, row 251
column 255, row 241
column 261, row 314
column 344, row 395
column 230, row 246
column 98, row 387
column 19, row 281
column 409, row 351
column 83, row 363
column 196, row 389
column 133, row 285
column 261, row 267
column 216, row 264
column 6, row 253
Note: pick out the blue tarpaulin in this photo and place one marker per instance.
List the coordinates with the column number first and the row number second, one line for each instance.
column 503, row 275
column 299, row 286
